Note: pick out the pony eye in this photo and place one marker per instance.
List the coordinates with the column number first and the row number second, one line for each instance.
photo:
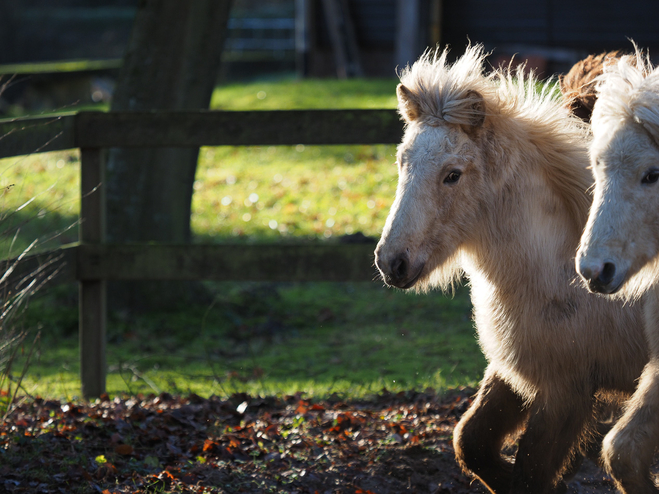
column 650, row 177
column 452, row 177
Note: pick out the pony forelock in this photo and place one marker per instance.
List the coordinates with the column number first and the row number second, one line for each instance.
column 446, row 91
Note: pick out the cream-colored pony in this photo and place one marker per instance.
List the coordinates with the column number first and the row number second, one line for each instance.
column 493, row 184
column 619, row 251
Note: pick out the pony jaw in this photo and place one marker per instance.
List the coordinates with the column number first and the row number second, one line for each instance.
column 425, row 272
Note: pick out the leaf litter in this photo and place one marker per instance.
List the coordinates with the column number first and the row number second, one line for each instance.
column 391, row 443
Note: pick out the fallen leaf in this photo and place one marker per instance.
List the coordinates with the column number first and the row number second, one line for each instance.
column 124, row 449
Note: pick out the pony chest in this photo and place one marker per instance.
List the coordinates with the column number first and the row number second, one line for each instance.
column 516, row 330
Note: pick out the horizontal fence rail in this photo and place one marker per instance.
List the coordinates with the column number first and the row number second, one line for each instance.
column 290, row 262
column 23, row 136
column 92, row 262
column 244, row 128
column 53, row 267
column 260, row 262
column 193, row 129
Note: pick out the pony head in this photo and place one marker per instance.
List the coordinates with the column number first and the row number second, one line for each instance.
column 444, row 109
column 619, row 247
column 474, row 147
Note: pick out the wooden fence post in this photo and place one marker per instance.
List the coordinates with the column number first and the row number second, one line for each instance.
column 92, row 310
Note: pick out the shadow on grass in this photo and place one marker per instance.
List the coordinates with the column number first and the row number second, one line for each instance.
column 51, row 229
column 268, row 338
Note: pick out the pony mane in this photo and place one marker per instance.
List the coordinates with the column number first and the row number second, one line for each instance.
column 445, row 91
column 578, row 85
column 560, row 136
column 516, row 104
column 628, row 90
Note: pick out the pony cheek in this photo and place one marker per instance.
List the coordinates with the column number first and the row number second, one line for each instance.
column 444, row 239
column 457, row 218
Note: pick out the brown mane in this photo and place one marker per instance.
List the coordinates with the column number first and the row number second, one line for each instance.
column 578, row 85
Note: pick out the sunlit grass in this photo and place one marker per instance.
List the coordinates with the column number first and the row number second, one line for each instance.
column 268, row 193
column 242, row 193
column 291, row 94
column 39, row 199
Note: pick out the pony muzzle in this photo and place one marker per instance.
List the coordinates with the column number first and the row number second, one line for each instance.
column 397, row 271
column 601, row 276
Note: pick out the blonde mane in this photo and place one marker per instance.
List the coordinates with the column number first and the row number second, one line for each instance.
column 516, row 104
column 628, row 90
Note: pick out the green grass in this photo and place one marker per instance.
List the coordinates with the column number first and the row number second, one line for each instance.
column 39, row 200
column 321, row 338
column 291, row 94
column 266, row 193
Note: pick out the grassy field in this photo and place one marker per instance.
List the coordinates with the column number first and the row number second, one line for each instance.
column 322, row 338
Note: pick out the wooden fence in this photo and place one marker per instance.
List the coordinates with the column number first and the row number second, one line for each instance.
column 92, row 261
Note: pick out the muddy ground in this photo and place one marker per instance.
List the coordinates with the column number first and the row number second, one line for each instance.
column 389, row 444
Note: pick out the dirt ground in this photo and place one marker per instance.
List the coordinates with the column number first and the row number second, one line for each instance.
column 389, row 444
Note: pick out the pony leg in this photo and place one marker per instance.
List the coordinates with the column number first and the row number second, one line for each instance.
column 591, row 448
column 629, row 448
column 496, row 412
column 548, row 444
column 606, row 413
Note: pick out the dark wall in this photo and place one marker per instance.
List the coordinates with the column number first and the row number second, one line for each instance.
column 376, row 23
column 47, row 30
column 494, row 22
column 43, row 30
column 605, row 24
column 584, row 26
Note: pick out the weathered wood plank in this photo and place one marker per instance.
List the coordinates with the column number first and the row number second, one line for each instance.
column 245, row 128
column 93, row 305
column 92, row 335
column 61, row 66
column 36, row 135
column 92, row 195
column 207, row 128
column 267, row 262
column 45, row 268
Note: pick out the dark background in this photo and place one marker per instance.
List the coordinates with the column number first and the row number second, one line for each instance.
column 551, row 34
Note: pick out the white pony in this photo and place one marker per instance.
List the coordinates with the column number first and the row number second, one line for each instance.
column 619, row 251
column 493, row 184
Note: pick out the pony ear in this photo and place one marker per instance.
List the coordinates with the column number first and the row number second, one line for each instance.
column 477, row 109
column 408, row 104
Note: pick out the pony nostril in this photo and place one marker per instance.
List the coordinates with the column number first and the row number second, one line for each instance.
column 399, row 268
column 608, row 272
column 585, row 270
